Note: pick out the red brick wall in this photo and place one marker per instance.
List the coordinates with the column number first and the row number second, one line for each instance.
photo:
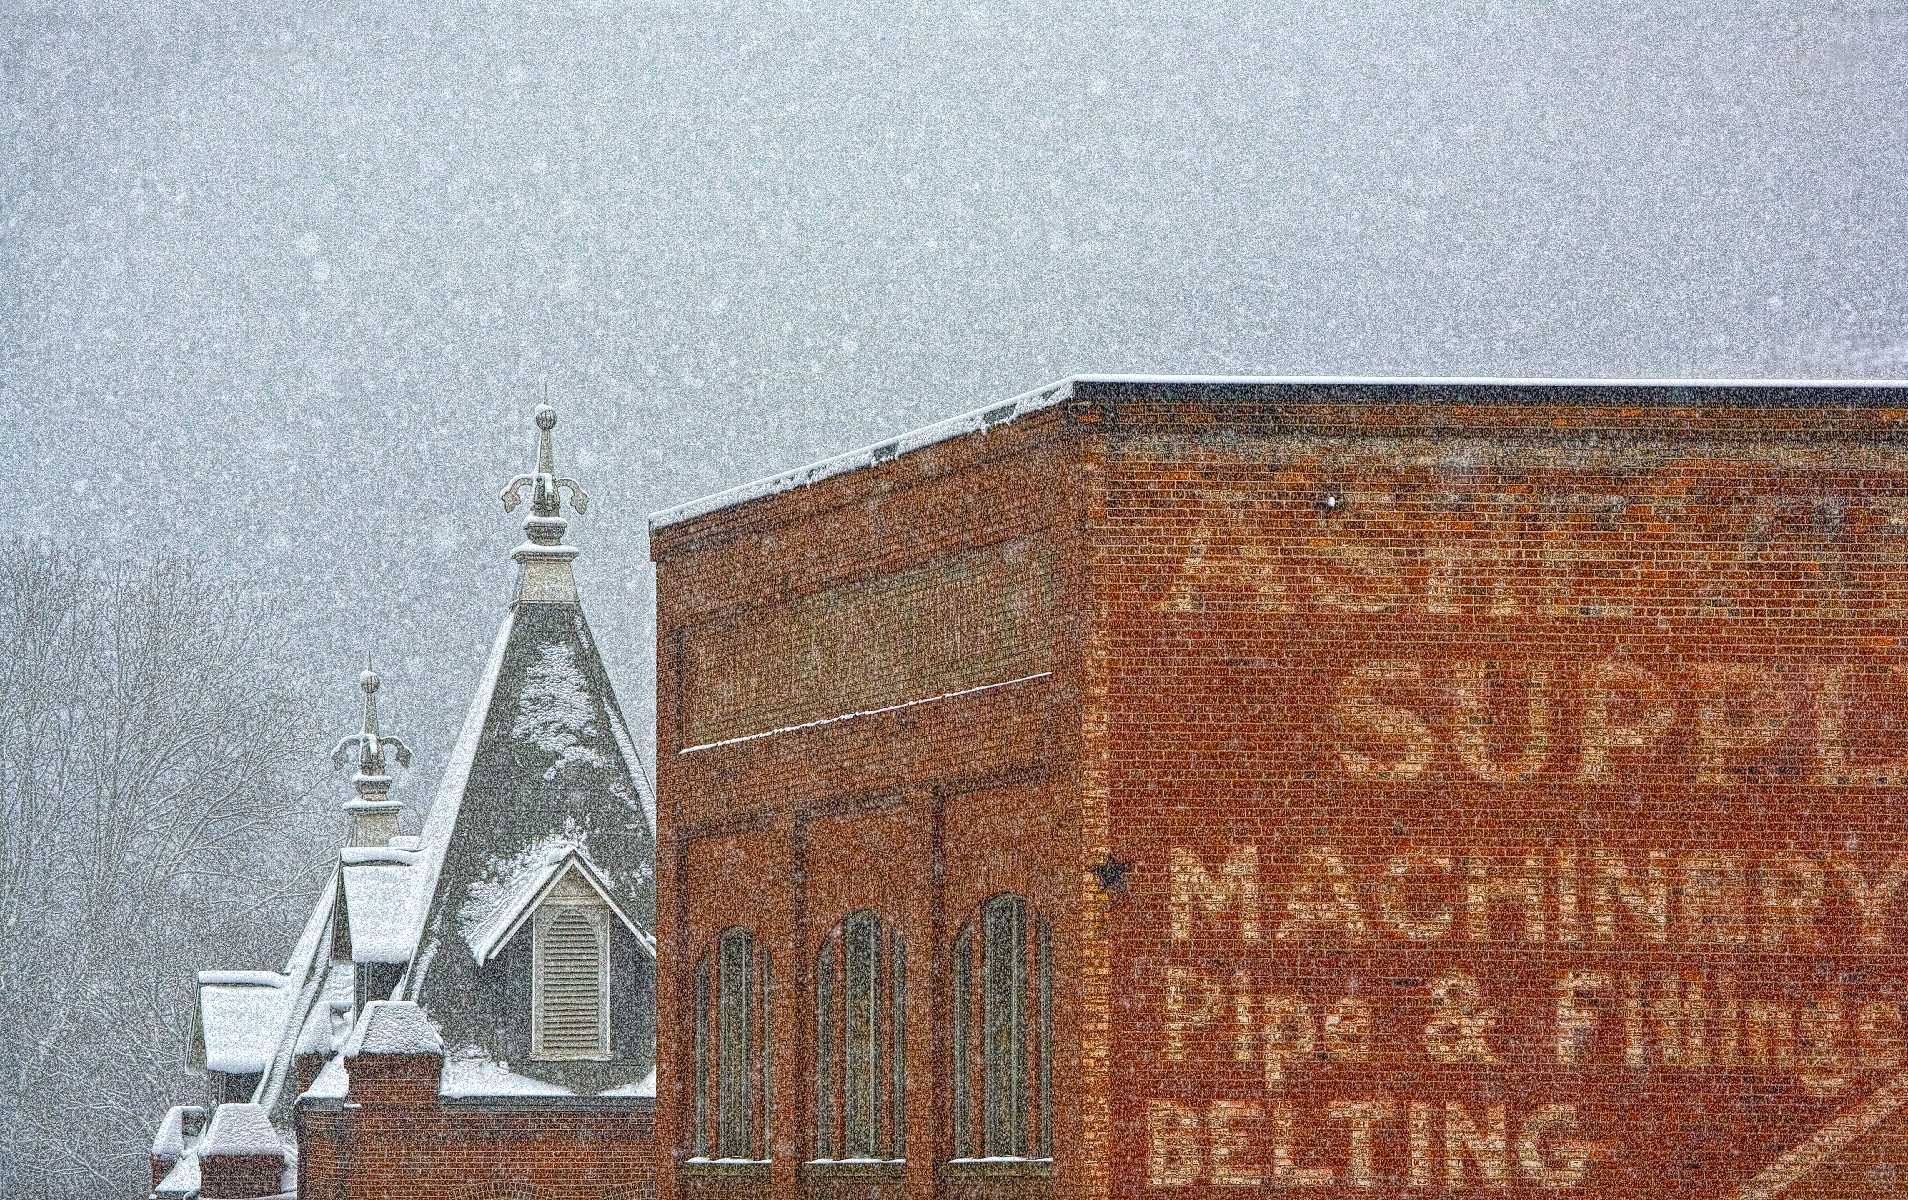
column 385, row 1153
column 917, row 812
column 1515, row 796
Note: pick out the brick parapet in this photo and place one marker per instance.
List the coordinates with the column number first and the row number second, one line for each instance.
column 974, row 791
column 564, row 1151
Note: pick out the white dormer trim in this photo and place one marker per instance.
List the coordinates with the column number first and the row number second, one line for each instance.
column 572, row 866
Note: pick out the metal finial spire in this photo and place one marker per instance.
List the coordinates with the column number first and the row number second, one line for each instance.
column 546, row 489
column 546, row 577
column 369, row 743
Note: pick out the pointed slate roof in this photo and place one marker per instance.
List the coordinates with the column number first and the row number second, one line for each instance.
column 543, row 773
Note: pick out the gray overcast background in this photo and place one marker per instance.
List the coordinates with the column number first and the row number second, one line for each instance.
column 279, row 287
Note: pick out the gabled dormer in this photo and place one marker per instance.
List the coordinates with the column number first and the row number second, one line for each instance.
column 563, row 909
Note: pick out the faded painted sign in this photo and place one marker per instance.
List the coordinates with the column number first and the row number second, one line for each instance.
column 964, row 621
column 1545, row 838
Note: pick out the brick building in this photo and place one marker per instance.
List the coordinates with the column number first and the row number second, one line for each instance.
column 469, row 1013
column 1179, row 786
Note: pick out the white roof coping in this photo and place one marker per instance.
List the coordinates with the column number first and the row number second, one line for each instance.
column 170, row 1141
column 378, row 898
column 393, row 1027
column 357, row 856
column 333, row 1081
column 983, row 419
column 242, row 1020
column 323, row 1030
column 182, row 1180
column 244, row 978
column 523, row 894
column 978, row 421
column 240, row 1129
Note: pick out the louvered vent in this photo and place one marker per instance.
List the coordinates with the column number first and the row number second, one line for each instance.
column 572, row 985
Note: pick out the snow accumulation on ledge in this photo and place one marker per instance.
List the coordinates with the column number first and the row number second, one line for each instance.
column 871, row 712
column 393, row 1027
column 240, row 1129
column 982, row 419
column 473, row 1073
column 646, row 1086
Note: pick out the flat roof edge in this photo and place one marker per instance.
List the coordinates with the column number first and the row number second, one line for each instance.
column 978, row 421
column 983, row 419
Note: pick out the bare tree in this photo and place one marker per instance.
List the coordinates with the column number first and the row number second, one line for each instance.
column 149, row 826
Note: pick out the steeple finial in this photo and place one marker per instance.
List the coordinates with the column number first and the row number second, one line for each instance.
column 546, row 560
column 373, row 813
column 545, row 488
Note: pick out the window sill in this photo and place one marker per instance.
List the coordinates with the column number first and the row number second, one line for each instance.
column 540, row 1057
column 724, row 1168
column 854, row 1168
column 996, row 1168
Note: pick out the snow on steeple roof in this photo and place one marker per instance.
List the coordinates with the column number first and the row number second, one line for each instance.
column 544, row 758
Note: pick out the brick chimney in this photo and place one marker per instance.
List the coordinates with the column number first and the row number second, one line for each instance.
column 395, row 1057
column 241, row 1155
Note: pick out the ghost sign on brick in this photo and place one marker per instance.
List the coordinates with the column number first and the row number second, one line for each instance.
column 1552, row 836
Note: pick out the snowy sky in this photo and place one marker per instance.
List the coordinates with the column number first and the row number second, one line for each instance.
column 280, row 287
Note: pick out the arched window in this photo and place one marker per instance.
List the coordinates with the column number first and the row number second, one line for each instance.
column 1003, row 1033
column 860, row 1047
column 732, row 1058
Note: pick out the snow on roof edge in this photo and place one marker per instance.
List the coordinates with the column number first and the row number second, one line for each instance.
column 534, row 885
column 982, row 419
column 450, row 791
column 396, row 1027
column 979, row 420
column 240, row 1129
column 299, row 970
column 271, row 979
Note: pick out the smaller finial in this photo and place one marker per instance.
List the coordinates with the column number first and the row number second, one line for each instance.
column 373, row 813
column 369, row 743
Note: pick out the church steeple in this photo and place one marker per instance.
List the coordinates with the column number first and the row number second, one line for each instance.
column 373, row 814
column 546, row 577
column 543, row 809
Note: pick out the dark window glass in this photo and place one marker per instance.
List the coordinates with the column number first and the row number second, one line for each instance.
column 1002, row 1033
column 825, row 1050
column 897, row 1050
column 860, row 1041
column 703, row 1041
column 731, row 1051
column 963, row 1069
